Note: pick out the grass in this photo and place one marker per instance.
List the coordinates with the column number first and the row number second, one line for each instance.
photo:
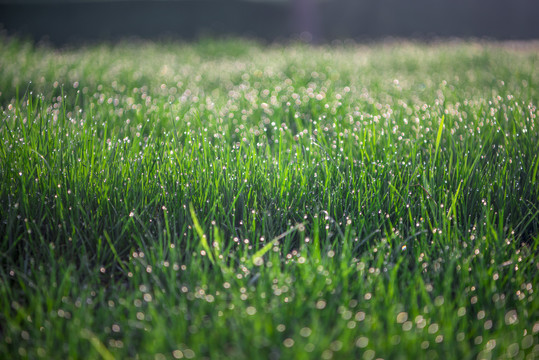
column 225, row 199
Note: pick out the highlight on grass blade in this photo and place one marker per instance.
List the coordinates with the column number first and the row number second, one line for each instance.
column 96, row 344
column 114, row 252
column 200, row 232
column 439, row 136
column 257, row 260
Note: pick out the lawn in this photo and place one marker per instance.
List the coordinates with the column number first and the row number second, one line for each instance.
column 233, row 200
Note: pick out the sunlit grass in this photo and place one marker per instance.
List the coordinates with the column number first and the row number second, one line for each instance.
column 230, row 200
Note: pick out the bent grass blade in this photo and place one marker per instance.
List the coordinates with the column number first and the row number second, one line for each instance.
column 200, row 232
column 257, row 257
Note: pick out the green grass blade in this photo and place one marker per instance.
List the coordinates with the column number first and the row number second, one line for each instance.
column 200, row 232
column 256, row 258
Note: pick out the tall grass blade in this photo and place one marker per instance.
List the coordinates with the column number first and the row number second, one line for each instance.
column 201, row 235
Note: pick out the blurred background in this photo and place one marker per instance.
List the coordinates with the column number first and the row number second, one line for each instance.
column 74, row 21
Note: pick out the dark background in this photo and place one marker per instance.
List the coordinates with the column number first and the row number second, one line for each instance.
column 70, row 21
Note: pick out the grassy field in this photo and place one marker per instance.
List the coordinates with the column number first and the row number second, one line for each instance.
column 228, row 200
